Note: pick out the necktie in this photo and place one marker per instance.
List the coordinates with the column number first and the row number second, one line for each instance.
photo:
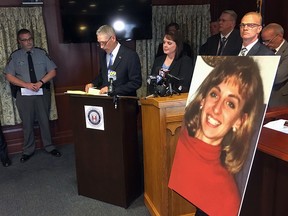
column 222, row 44
column 32, row 74
column 243, row 51
column 274, row 50
column 110, row 72
column 110, row 63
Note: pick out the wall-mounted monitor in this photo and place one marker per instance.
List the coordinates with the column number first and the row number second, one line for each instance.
column 132, row 19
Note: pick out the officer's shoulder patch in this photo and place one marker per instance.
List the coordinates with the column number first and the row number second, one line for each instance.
column 10, row 57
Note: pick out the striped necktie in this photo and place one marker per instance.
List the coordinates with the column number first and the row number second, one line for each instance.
column 222, row 45
column 110, row 63
column 243, row 51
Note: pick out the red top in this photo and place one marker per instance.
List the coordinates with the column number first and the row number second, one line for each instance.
column 198, row 176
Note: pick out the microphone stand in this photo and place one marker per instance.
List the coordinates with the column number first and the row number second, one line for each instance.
column 172, row 79
column 115, row 101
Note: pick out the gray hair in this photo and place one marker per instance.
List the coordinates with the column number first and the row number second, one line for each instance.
column 107, row 30
column 278, row 29
column 232, row 13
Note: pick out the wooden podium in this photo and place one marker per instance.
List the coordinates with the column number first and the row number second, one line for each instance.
column 161, row 122
column 107, row 161
column 267, row 190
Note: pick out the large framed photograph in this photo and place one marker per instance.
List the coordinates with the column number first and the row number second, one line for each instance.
column 223, row 118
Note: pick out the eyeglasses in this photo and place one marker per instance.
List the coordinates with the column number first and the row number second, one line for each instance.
column 104, row 43
column 267, row 42
column 249, row 25
column 26, row 39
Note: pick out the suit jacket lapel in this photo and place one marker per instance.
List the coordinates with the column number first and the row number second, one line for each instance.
column 283, row 48
column 254, row 49
column 215, row 48
column 117, row 59
column 104, row 62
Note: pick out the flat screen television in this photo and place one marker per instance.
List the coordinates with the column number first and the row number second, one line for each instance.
column 131, row 19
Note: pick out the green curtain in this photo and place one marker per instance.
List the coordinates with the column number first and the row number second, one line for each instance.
column 11, row 20
column 194, row 24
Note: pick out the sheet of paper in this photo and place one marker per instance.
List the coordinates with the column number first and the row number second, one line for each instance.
column 28, row 92
column 94, row 91
column 278, row 125
column 91, row 91
column 76, row 92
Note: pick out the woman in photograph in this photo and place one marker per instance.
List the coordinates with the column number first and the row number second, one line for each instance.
column 217, row 131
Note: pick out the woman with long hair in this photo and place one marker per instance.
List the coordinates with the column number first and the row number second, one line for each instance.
column 173, row 62
column 216, row 135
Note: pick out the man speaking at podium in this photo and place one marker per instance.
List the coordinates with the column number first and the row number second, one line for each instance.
column 120, row 68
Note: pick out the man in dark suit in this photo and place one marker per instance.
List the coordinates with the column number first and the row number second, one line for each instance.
column 272, row 37
column 250, row 28
column 120, row 66
column 227, row 41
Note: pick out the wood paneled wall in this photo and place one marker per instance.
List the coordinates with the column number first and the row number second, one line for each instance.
column 78, row 64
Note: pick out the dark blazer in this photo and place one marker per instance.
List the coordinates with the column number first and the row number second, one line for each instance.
column 259, row 49
column 232, row 47
column 279, row 94
column 181, row 68
column 128, row 72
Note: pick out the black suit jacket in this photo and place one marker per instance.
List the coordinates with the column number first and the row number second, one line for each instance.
column 259, row 49
column 181, row 68
column 128, row 72
column 232, row 47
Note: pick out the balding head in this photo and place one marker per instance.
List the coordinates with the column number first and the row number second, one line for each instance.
column 250, row 27
column 272, row 35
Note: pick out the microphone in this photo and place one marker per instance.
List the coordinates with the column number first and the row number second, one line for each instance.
column 151, row 80
column 175, row 84
column 110, row 87
column 160, row 79
column 164, row 84
column 155, row 80
column 111, row 93
column 111, row 78
column 173, row 78
column 112, row 74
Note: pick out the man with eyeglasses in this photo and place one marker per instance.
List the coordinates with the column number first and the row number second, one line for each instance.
column 228, row 41
column 250, row 28
column 29, row 70
column 272, row 37
column 118, row 64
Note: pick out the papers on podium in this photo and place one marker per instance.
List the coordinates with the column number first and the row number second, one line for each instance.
column 91, row 91
column 278, row 125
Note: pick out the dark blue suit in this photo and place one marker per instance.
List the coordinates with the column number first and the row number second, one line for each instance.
column 128, row 72
column 259, row 49
column 232, row 47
